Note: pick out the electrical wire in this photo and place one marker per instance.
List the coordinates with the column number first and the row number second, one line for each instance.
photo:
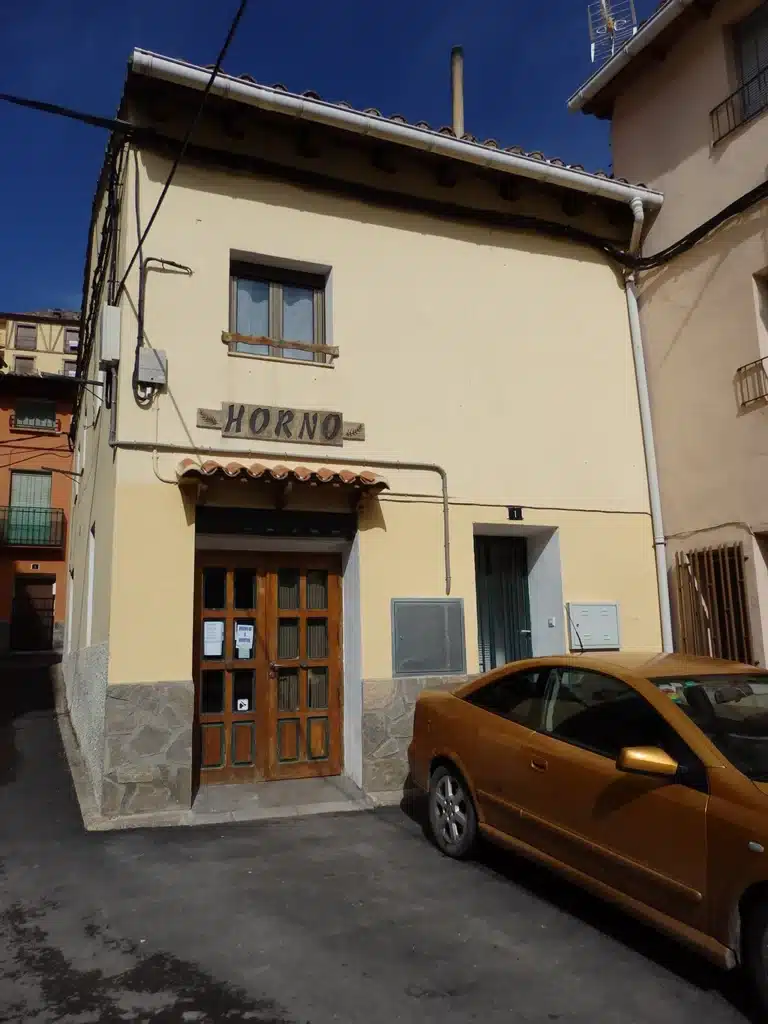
column 687, row 242
column 553, row 229
column 183, row 148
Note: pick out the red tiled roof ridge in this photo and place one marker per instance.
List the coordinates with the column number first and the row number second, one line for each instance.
column 189, row 468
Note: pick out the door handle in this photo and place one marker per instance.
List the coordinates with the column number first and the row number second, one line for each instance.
column 526, row 632
column 538, row 764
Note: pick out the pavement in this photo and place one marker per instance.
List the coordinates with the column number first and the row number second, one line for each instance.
column 328, row 918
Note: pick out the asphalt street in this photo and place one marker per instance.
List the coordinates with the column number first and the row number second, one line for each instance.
column 353, row 918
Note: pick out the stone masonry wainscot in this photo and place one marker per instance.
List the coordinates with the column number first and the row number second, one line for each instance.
column 388, row 727
column 148, row 747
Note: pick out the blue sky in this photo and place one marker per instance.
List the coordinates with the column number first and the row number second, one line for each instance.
column 521, row 64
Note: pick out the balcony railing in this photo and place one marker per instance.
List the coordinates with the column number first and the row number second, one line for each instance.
column 752, row 382
column 35, row 424
column 31, row 527
column 741, row 106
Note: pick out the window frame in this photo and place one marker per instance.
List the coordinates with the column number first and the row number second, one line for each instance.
column 69, row 363
column 25, row 347
column 25, row 359
column 68, row 346
column 35, row 427
column 693, row 770
column 29, row 473
column 510, row 678
column 276, row 278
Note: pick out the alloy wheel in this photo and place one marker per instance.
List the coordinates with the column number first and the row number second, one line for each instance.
column 451, row 810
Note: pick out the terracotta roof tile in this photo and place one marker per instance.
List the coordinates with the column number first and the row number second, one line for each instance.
column 447, row 130
column 189, row 469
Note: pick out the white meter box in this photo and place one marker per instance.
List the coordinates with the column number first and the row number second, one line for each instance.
column 594, row 627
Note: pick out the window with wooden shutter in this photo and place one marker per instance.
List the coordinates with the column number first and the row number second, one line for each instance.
column 24, row 364
column 26, row 336
column 751, row 43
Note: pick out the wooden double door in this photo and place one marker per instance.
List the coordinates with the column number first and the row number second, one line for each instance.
column 267, row 663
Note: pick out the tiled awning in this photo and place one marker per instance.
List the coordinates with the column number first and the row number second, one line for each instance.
column 190, row 469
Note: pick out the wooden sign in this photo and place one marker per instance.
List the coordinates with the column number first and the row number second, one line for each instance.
column 276, row 423
column 216, row 419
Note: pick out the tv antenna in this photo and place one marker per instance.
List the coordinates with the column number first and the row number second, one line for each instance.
column 612, row 23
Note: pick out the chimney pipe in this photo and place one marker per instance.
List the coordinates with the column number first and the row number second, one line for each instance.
column 457, row 90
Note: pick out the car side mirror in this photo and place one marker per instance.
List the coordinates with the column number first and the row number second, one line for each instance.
column 647, row 761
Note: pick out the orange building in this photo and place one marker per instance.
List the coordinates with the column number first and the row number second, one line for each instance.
column 35, row 496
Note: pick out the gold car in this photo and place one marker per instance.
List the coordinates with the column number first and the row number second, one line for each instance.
column 641, row 777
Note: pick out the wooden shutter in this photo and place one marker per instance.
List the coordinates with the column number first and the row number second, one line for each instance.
column 26, row 336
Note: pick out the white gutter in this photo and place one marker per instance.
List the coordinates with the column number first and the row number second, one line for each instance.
column 652, row 472
column 655, row 25
column 376, row 127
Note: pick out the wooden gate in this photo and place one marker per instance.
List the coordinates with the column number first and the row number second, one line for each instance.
column 713, row 617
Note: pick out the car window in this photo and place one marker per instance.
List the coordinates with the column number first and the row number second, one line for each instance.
column 604, row 714
column 732, row 710
column 518, row 697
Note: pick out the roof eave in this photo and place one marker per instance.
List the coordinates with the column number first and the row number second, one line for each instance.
column 384, row 129
column 656, row 24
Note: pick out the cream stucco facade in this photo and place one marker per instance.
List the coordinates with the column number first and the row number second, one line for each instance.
column 500, row 357
column 40, row 342
column 704, row 313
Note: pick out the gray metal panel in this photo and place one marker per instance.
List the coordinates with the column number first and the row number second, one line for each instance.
column 153, row 367
column 428, row 636
column 594, row 626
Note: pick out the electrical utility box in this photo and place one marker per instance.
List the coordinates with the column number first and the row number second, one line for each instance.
column 153, row 367
column 109, row 336
column 594, row 627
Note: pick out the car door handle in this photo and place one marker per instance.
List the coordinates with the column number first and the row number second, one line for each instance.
column 538, row 764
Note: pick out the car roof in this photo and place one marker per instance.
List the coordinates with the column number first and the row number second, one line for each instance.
column 644, row 664
column 653, row 665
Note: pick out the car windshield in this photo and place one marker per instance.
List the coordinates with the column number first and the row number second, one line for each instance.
column 732, row 710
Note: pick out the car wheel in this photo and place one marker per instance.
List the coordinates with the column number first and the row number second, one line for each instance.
column 756, row 951
column 452, row 816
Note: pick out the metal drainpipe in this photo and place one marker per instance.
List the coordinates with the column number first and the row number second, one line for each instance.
column 635, row 331
column 426, row 467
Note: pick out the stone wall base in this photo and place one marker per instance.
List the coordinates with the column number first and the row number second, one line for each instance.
column 148, row 747
column 388, row 727
column 58, row 636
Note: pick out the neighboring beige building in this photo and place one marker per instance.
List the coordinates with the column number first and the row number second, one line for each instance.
column 42, row 342
column 370, row 435
column 687, row 100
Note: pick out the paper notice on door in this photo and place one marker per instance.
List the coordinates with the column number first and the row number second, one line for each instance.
column 244, row 634
column 213, row 639
column 244, row 639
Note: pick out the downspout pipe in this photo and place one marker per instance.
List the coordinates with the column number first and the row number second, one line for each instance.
column 156, row 447
column 652, row 472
